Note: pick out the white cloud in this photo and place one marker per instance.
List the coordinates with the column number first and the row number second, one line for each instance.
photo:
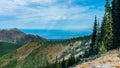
column 47, row 17
column 7, row 7
column 41, row 2
column 10, row 7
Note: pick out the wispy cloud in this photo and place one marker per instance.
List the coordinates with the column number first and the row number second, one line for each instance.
column 49, row 14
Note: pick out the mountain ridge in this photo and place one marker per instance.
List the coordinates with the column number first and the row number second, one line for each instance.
column 14, row 35
column 40, row 53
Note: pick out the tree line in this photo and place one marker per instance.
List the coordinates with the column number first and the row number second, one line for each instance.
column 107, row 36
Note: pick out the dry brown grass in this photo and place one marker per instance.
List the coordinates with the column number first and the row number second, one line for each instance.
column 112, row 60
column 25, row 50
column 84, row 65
column 50, row 51
column 53, row 51
column 117, row 66
column 110, row 57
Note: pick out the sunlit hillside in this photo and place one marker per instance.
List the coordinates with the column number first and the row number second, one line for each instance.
column 41, row 53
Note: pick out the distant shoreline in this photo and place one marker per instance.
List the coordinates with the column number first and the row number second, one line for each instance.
column 57, row 34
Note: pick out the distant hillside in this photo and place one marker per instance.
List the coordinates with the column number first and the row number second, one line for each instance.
column 38, row 54
column 16, row 36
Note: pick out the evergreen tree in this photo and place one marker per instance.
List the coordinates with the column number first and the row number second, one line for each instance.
column 47, row 65
column 63, row 63
column 98, row 39
column 94, row 38
column 106, row 29
column 116, row 22
column 98, row 34
column 102, row 48
column 102, row 42
column 71, row 60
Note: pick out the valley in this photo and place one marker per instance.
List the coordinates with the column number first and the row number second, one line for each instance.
column 59, row 33
column 36, row 53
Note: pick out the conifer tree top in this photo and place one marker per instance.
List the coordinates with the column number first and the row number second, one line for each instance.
column 95, row 19
column 107, row 6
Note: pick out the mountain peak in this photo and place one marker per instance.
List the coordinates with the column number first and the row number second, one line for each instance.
column 16, row 36
column 15, row 29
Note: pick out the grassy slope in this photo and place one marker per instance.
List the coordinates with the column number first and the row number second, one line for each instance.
column 28, row 54
column 35, row 54
column 6, row 47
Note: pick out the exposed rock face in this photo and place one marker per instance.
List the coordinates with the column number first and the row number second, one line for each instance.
column 16, row 36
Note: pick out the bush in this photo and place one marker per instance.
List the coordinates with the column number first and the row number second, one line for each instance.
column 11, row 64
column 119, row 55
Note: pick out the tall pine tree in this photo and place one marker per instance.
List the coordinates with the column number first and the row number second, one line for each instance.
column 116, row 22
column 98, row 38
column 94, row 38
column 106, row 29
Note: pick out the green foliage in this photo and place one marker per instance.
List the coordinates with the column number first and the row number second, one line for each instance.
column 6, row 47
column 63, row 64
column 94, row 35
column 106, row 30
column 86, row 54
column 9, row 60
column 35, row 61
column 11, row 64
column 102, row 49
column 71, row 60
column 116, row 22
column 95, row 38
column 103, row 38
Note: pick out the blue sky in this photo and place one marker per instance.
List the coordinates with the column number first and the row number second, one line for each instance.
column 50, row 14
